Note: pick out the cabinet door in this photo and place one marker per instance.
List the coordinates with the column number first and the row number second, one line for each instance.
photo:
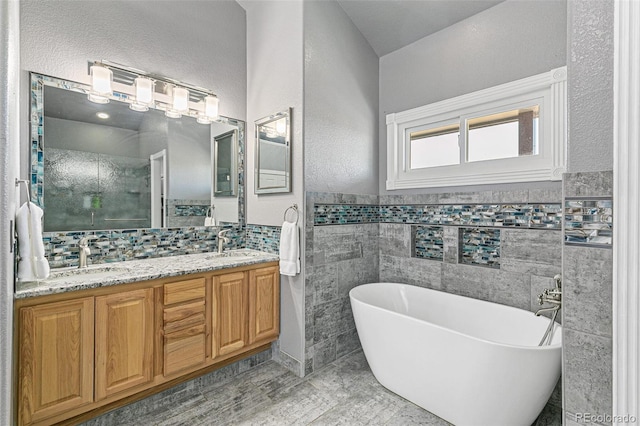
column 124, row 341
column 229, row 313
column 264, row 304
column 55, row 358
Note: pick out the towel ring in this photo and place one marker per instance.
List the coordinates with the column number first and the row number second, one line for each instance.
column 295, row 209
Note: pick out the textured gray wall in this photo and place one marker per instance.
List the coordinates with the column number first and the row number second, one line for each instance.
column 512, row 40
column 341, row 103
column 201, row 43
column 590, row 85
column 9, row 148
column 588, row 272
column 274, row 76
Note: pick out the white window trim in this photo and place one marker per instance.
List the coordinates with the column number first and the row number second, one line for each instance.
column 549, row 89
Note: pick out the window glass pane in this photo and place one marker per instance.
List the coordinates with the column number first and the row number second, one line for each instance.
column 504, row 135
column 435, row 147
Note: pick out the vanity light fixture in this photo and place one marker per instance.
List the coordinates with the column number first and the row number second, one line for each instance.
column 179, row 102
column 209, row 109
column 144, row 94
column 100, row 84
column 142, row 90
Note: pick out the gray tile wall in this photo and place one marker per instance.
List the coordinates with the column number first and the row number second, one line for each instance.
column 587, row 312
column 337, row 258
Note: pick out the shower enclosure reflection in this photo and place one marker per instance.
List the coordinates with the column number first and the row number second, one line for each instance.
column 106, row 166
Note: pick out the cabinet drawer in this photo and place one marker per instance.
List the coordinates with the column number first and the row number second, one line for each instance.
column 183, row 291
column 184, row 349
column 183, row 316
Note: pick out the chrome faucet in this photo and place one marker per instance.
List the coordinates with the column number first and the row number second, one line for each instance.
column 84, row 250
column 551, row 295
column 222, row 240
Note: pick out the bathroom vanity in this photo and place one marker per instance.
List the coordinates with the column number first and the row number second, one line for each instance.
column 94, row 340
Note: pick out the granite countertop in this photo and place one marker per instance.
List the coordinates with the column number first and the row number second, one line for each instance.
column 106, row 274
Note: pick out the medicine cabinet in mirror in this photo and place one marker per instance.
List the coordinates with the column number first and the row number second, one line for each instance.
column 106, row 166
column 273, row 154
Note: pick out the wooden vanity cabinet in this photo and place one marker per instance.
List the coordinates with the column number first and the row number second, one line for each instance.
column 80, row 354
column 124, row 341
column 56, row 358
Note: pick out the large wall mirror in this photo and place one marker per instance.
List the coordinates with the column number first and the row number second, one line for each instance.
column 273, row 153
column 106, row 166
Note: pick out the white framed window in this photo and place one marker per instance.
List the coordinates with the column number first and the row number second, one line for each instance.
column 514, row 132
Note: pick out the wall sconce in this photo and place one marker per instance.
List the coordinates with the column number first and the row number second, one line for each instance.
column 142, row 90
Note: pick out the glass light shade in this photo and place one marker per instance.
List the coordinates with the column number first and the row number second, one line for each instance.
column 180, row 99
column 209, row 110
column 100, row 84
column 211, row 107
column 144, row 94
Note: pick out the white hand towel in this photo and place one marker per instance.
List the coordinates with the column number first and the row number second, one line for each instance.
column 289, row 249
column 209, row 221
column 33, row 265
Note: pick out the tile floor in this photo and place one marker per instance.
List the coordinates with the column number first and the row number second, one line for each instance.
column 342, row 393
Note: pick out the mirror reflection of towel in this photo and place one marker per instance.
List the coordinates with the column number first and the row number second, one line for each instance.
column 289, row 249
column 33, row 265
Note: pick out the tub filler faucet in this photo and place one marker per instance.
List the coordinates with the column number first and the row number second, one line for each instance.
column 554, row 297
column 551, row 295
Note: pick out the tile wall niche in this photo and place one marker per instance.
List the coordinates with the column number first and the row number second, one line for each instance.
column 587, row 294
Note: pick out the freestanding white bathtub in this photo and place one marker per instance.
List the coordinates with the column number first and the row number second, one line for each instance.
column 468, row 361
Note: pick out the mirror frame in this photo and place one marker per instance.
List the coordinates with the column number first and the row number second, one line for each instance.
column 234, row 160
column 37, row 142
column 288, row 178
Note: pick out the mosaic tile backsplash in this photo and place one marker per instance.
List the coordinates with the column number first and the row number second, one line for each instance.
column 61, row 248
column 263, row 238
column 480, row 246
column 547, row 216
column 588, row 221
column 428, row 242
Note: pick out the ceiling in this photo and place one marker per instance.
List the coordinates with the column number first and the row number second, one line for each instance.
column 389, row 25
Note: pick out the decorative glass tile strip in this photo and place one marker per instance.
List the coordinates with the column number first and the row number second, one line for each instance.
column 548, row 216
column 588, row 221
column 480, row 246
column 427, row 242
column 343, row 214
column 190, row 210
column 61, row 248
column 263, row 238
